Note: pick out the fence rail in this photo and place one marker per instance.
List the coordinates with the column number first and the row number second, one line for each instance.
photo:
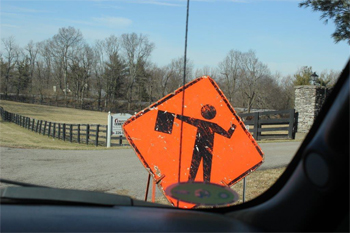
column 78, row 133
column 271, row 124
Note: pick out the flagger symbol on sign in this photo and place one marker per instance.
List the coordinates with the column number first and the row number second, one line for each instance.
column 204, row 142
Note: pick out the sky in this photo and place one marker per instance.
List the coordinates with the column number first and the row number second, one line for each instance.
column 283, row 36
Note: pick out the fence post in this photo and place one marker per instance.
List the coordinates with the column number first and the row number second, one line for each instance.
column 291, row 123
column 78, row 133
column 87, row 133
column 45, row 124
column 96, row 138
column 64, row 132
column 120, row 140
column 54, row 130
column 33, row 122
column 37, row 126
column 296, row 119
column 256, row 125
column 70, row 132
column 59, row 131
column 49, row 131
column 41, row 126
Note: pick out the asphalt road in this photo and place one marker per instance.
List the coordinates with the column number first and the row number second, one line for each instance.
column 116, row 171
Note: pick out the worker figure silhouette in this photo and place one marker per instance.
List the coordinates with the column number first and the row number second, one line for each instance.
column 203, row 147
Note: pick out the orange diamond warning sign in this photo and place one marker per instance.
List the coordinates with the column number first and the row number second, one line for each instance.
column 193, row 134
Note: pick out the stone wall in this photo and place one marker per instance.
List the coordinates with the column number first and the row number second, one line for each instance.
column 308, row 102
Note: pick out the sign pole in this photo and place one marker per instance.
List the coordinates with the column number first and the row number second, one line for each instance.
column 244, row 181
column 109, row 129
column 244, row 184
column 147, row 187
column 154, row 191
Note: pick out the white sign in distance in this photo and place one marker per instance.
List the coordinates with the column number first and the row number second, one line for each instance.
column 117, row 122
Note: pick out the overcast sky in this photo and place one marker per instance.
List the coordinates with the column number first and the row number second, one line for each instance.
column 284, row 36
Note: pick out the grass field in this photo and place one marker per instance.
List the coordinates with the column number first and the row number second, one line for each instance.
column 55, row 114
column 12, row 135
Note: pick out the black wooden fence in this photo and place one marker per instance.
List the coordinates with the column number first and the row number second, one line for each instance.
column 262, row 125
column 80, row 133
column 271, row 124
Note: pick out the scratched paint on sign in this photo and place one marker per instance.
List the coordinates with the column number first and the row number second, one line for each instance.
column 216, row 146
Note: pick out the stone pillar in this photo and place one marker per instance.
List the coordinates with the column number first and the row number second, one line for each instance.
column 308, row 102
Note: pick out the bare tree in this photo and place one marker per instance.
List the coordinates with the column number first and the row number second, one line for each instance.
column 98, row 70
column 44, row 49
column 207, row 71
column 80, row 73
column 21, row 78
column 10, row 55
column 38, row 80
column 64, row 45
column 136, row 49
column 109, row 72
column 230, row 70
column 328, row 78
column 161, row 78
column 253, row 71
column 32, row 51
column 176, row 68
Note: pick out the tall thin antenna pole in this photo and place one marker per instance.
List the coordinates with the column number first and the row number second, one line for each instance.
column 183, row 92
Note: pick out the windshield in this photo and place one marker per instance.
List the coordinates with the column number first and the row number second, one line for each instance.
column 102, row 95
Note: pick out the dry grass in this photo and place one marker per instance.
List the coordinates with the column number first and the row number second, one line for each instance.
column 12, row 135
column 256, row 184
column 55, row 114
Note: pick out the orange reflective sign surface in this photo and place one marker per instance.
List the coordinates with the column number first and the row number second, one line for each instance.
column 216, row 147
